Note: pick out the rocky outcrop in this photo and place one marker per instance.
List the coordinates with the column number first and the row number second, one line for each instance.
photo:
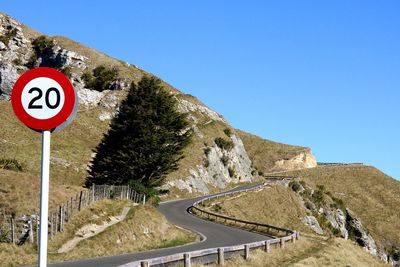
column 337, row 219
column 187, row 107
column 8, row 76
column 303, row 160
column 222, row 167
column 312, row 222
column 359, row 234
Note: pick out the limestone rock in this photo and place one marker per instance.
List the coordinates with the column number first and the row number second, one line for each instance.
column 89, row 97
column 358, row 232
column 301, row 161
column 312, row 222
column 186, row 106
column 8, row 76
column 216, row 173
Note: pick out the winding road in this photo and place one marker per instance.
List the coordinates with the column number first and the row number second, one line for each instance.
column 213, row 235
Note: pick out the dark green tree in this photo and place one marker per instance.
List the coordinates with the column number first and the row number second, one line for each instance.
column 145, row 141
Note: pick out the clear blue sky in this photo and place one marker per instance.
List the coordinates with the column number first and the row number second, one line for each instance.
column 322, row 74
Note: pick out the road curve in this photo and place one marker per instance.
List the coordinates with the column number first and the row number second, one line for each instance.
column 214, row 235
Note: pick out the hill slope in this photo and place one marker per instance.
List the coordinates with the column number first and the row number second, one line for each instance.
column 206, row 167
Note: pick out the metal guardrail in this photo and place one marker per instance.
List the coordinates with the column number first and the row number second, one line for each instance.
column 211, row 255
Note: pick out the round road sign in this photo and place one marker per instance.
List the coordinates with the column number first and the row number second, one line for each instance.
column 43, row 98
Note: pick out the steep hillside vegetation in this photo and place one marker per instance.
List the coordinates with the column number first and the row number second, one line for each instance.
column 366, row 191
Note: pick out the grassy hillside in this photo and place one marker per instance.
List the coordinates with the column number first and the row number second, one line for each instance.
column 311, row 251
column 153, row 231
column 276, row 205
column 372, row 195
column 264, row 153
column 280, row 206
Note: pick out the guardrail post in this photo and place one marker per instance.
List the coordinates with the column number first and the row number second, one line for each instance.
column 267, row 247
column 294, row 238
column 221, row 257
column 246, row 252
column 282, row 242
column 187, row 262
column 297, row 235
column 144, row 264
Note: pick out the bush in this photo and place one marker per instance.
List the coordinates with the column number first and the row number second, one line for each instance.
column 42, row 45
column 228, row 132
column 223, row 144
column 207, row 151
column 67, row 71
column 101, row 78
column 232, row 172
column 8, row 35
column 150, row 192
column 225, row 160
column 10, row 164
column 295, row 186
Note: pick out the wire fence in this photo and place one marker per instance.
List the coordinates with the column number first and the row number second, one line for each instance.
column 25, row 229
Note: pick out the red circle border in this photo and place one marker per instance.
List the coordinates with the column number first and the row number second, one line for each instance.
column 66, row 110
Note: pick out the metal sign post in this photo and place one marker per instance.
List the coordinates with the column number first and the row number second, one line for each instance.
column 45, row 101
column 44, row 198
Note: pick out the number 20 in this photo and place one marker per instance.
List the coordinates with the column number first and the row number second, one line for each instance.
column 47, row 98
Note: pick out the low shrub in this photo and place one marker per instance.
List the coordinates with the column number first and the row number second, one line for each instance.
column 228, row 132
column 225, row 160
column 150, row 192
column 224, row 144
column 10, row 164
column 101, row 78
column 295, row 186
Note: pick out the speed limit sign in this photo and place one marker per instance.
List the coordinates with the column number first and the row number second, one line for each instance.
column 44, row 100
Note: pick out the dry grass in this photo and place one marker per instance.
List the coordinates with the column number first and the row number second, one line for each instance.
column 275, row 205
column 310, row 250
column 264, row 153
column 372, row 195
column 19, row 193
column 144, row 228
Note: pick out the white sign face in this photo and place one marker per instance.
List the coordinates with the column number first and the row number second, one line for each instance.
column 42, row 98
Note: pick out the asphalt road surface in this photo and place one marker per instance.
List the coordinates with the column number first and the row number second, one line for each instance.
column 213, row 235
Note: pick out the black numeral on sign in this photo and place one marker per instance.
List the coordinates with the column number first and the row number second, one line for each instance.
column 52, row 89
column 32, row 103
column 47, row 98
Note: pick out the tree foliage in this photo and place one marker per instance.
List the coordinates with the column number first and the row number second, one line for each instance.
column 145, row 141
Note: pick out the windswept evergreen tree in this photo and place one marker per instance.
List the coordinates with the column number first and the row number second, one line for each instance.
column 145, row 141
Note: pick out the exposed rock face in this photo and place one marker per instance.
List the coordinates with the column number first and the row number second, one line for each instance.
column 312, row 222
column 186, row 106
column 301, row 161
column 359, row 234
column 337, row 219
column 8, row 76
column 223, row 167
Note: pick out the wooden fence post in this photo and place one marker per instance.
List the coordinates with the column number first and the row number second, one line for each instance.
column 30, row 230
column 221, row 258
column 144, row 199
column 246, row 252
column 187, row 261
column 144, row 264
column 93, row 186
column 13, row 230
column 267, row 247
column 80, row 201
